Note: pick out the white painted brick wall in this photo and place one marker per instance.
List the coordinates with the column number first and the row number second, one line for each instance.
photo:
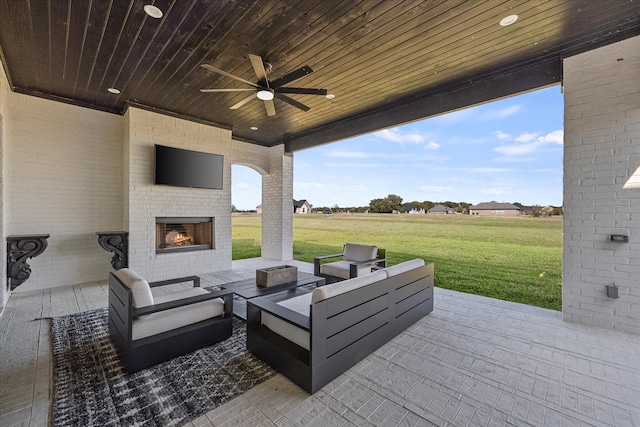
column 277, row 207
column 147, row 201
column 66, row 180
column 602, row 149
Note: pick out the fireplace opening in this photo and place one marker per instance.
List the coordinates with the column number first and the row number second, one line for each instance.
column 183, row 234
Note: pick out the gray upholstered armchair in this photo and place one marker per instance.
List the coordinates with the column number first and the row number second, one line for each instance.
column 148, row 329
column 357, row 260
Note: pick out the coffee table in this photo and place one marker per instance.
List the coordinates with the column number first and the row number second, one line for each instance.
column 247, row 289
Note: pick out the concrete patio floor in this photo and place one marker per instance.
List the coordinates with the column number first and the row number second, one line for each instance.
column 474, row 361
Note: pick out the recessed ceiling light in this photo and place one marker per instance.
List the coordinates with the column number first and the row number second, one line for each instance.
column 152, row 11
column 508, row 20
column 330, row 96
column 113, row 90
column 254, row 128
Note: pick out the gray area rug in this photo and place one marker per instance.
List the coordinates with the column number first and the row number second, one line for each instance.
column 91, row 389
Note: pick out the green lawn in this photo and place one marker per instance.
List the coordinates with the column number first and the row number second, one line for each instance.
column 515, row 259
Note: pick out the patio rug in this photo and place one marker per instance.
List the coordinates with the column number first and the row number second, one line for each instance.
column 91, row 389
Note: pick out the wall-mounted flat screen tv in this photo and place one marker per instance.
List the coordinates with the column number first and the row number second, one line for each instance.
column 186, row 168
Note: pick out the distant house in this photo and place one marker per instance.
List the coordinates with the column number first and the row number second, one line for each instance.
column 410, row 208
column 301, row 207
column 494, row 209
column 441, row 210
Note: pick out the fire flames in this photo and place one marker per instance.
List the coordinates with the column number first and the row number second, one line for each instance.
column 177, row 239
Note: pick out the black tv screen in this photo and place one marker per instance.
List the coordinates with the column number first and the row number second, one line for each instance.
column 186, row 168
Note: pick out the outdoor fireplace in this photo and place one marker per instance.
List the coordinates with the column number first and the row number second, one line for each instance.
column 183, row 234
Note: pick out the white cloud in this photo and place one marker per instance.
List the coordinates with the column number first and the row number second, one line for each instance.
column 242, row 186
column 526, row 137
column 466, row 140
column 556, row 136
column 396, row 135
column 501, row 135
column 528, row 143
column 432, row 145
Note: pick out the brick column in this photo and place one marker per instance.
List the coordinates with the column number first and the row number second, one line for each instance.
column 602, row 150
column 277, row 206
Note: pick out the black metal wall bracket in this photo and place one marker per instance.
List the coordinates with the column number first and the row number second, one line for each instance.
column 118, row 243
column 19, row 249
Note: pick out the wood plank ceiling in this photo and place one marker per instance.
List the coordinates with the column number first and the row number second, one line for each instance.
column 386, row 61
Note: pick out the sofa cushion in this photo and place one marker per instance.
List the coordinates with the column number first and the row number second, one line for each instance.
column 358, row 252
column 300, row 304
column 156, row 323
column 286, row 330
column 140, row 289
column 338, row 288
column 404, row 266
column 342, row 269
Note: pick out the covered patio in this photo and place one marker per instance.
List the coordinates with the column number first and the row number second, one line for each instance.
column 87, row 89
column 474, row 361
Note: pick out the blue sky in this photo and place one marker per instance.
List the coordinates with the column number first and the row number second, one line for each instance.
column 508, row 151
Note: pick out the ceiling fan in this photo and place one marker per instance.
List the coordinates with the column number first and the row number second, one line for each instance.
column 266, row 90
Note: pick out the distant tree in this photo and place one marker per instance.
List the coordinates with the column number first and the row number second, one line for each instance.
column 557, row 210
column 233, row 208
column 389, row 204
column 377, row 206
column 537, row 211
column 463, row 207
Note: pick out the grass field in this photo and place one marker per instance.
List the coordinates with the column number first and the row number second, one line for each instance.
column 515, row 259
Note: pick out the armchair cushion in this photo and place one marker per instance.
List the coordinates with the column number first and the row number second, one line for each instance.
column 358, row 252
column 342, row 269
column 156, row 323
column 140, row 289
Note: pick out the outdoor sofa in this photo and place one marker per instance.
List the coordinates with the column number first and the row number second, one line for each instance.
column 147, row 329
column 315, row 337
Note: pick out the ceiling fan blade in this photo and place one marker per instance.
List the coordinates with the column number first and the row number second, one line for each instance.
column 258, row 68
column 294, row 75
column 292, row 102
column 224, row 73
column 270, row 107
column 301, row 90
column 241, row 103
column 225, row 90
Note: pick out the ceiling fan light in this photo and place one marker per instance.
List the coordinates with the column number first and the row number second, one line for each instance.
column 265, row 95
